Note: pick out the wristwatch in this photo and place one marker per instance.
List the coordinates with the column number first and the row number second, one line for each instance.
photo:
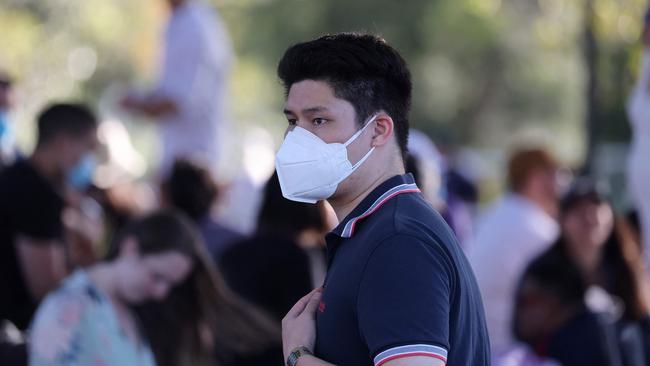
column 298, row 352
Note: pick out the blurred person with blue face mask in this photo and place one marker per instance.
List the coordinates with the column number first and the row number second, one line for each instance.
column 8, row 150
column 34, row 192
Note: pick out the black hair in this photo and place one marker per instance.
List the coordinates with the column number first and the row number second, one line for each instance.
column 64, row 118
column 158, row 232
column 621, row 269
column 556, row 274
column 361, row 69
column 584, row 189
column 190, row 188
column 555, row 279
column 176, row 327
column 280, row 216
column 461, row 187
column 411, row 166
column 5, row 79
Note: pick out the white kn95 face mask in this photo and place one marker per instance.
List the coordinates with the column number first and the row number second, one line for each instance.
column 309, row 169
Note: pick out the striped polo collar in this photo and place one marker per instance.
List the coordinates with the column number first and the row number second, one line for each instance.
column 394, row 186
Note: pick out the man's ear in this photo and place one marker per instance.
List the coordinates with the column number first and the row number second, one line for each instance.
column 383, row 131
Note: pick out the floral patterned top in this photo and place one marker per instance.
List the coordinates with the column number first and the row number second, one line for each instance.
column 77, row 325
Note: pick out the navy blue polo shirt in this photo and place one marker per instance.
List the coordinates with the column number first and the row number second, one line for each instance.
column 398, row 285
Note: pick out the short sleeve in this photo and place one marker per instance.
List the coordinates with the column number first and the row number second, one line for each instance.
column 404, row 300
column 56, row 334
column 40, row 219
column 30, row 204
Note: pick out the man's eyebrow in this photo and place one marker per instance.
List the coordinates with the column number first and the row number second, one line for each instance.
column 308, row 110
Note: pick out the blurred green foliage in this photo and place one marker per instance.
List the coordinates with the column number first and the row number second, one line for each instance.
column 483, row 70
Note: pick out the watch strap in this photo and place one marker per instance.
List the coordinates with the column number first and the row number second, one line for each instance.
column 298, row 352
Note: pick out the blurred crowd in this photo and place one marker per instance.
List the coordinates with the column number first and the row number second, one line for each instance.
column 563, row 278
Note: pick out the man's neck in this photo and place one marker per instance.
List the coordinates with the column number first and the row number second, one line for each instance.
column 102, row 275
column 344, row 205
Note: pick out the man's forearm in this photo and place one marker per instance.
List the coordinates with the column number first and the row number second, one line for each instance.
column 42, row 263
column 152, row 106
column 157, row 107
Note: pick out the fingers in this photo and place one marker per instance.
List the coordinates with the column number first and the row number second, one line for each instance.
column 313, row 303
column 299, row 307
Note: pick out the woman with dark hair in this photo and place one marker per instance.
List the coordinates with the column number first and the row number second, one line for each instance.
column 272, row 269
column 155, row 300
column 602, row 248
column 609, row 263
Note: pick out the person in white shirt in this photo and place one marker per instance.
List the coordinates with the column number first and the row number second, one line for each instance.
column 510, row 234
column 638, row 167
column 188, row 102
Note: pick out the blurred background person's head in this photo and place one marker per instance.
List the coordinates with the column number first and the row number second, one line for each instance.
column 152, row 255
column 587, row 221
column 191, row 189
column 532, row 173
column 158, row 264
column 67, row 137
column 549, row 294
column 6, row 92
column 175, row 4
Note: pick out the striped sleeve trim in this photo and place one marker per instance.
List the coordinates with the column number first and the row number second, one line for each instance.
column 425, row 350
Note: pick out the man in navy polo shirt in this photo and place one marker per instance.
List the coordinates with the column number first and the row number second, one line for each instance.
column 399, row 290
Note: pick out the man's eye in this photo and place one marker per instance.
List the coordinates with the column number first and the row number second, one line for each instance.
column 319, row 121
column 291, row 121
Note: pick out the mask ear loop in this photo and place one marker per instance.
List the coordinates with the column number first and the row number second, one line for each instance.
column 365, row 157
column 358, row 133
column 355, row 166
